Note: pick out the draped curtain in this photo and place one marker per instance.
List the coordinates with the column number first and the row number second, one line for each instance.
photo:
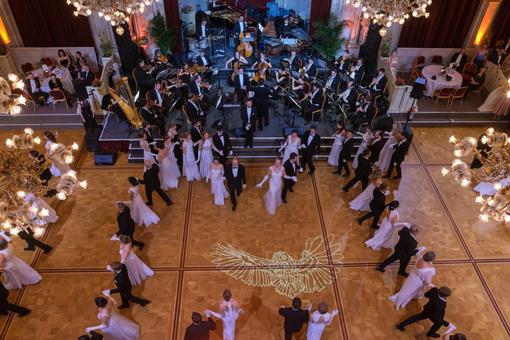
column 447, row 26
column 173, row 21
column 50, row 23
column 500, row 27
column 319, row 11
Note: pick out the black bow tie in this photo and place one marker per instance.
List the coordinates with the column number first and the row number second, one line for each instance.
column 234, row 167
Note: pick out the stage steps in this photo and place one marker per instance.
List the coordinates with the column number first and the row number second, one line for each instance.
column 437, row 119
column 41, row 121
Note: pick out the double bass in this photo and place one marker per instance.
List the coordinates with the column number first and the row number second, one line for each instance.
column 245, row 48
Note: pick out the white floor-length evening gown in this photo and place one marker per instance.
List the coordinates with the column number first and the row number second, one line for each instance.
column 290, row 148
column 364, row 144
column 206, row 157
column 316, row 328
column 137, row 270
column 413, row 287
column 167, row 174
column 189, row 163
column 140, row 212
column 273, row 197
column 217, row 186
column 362, row 201
column 173, row 160
column 147, row 153
column 16, row 272
column 229, row 317
column 118, row 327
column 336, row 149
column 382, row 236
column 386, row 153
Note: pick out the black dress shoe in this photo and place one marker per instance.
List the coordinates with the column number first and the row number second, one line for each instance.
column 143, row 304
column 169, row 203
column 25, row 313
column 284, row 201
column 433, row 335
column 149, row 204
column 234, row 207
column 345, row 189
column 403, row 274
column 291, row 190
column 123, row 306
column 386, row 176
column 397, row 177
column 336, row 172
column 400, row 328
column 359, row 221
column 29, row 248
column 379, row 269
column 48, row 250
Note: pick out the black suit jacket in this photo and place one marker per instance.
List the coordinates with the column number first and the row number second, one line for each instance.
column 378, row 202
column 245, row 119
column 294, row 319
column 151, row 177
column 406, row 245
column 237, row 28
column 314, row 147
column 193, row 111
column 145, row 81
column 238, row 181
column 88, row 77
column 364, row 167
column 226, row 147
column 344, row 64
column 261, row 97
column 237, row 82
column 380, row 85
column 317, row 99
column 4, row 293
column 463, row 60
column 334, row 83
column 400, row 152
column 351, row 97
column 435, row 308
column 347, row 148
column 199, row 31
column 375, row 149
column 311, row 71
column 37, row 85
column 121, row 280
column 290, row 169
column 193, row 88
column 358, row 75
column 125, row 223
column 195, row 134
column 200, row 331
column 201, row 62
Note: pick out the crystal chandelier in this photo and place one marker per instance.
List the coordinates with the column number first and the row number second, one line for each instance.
column 21, row 185
column 492, row 149
column 388, row 12
column 11, row 94
column 116, row 12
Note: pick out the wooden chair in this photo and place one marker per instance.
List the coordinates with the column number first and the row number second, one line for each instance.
column 437, row 59
column 469, row 68
column 478, row 90
column 27, row 67
column 57, row 96
column 320, row 111
column 443, row 94
column 458, row 94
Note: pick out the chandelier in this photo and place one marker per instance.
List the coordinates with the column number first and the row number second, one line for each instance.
column 116, row 12
column 11, row 94
column 492, row 149
column 21, row 185
column 388, row 12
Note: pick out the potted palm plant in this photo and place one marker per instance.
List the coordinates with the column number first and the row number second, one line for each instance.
column 105, row 45
column 162, row 35
column 327, row 37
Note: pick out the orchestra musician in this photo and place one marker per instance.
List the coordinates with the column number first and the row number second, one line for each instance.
column 313, row 101
column 237, row 58
column 249, row 119
column 184, row 74
column 286, row 30
column 301, row 88
column 203, row 31
column 203, row 60
column 200, row 89
column 158, row 99
column 357, row 71
column 143, row 77
column 294, row 61
column 153, row 118
column 343, row 63
column 378, row 83
column 310, row 69
column 332, row 82
column 349, row 96
column 261, row 97
column 193, row 108
column 282, row 77
column 261, row 74
column 293, row 19
column 262, row 59
column 239, row 27
column 241, row 84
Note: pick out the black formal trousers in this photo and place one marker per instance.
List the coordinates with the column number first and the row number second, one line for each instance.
column 133, row 241
column 343, row 164
column 287, row 185
column 32, row 242
column 404, row 261
column 248, row 137
column 421, row 316
column 126, row 296
column 161, row 193
column 397, row 166
column 234, row 191
column 288, row 334
column 6, row 307
column 308, row 160
column 354, row 180
column 262, row 117
column 376, row 216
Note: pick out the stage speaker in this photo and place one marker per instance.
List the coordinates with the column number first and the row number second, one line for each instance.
column 288, row 130
column 104, row 158
column 92, row 139
column 418, row 88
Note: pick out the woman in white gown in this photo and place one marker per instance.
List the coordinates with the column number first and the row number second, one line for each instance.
column 382, row 236
column 362, row 201
column 216, row 175
column 273, row 197
column 137, row 270
column 140, row 212
column 38, row 204
column 147, row 152
column 16, row 272
column 170, row 146
column 189, row 163
column 58, row 166
column 113, row 325
column 229, row 313
column 167, row 167
column 205, row 154
column 367, row 138
column 337, row 145
column 318, row 321
column 387, row 150
column 292, row 144
column 418, row 281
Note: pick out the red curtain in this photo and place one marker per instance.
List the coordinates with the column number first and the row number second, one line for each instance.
column 173, row 21
column 500, row 27
column 447, row 26
column 50, row 23
column 319, row 11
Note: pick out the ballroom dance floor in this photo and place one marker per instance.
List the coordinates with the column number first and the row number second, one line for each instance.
column 473, row 258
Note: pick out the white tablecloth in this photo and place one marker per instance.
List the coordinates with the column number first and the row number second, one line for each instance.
column 62, row 73
column 440, row 82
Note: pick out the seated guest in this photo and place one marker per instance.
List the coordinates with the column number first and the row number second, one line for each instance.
column 350, row 95
column 459, row 59
column 63, row 59
column 357, row 71
column 87, row 75
column 378, row 83
column 480, row 55
column 497, row 56
column 33, row 87
column 333, row 81
column 314, row 103
column 80, row 61
column 477, row 81
column 56, row 84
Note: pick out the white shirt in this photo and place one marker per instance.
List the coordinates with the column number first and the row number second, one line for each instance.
column 199, row 89
column 346, row 94
column 330, row 81
column 241, row 25
column 204, row 60
column 308, row 66
column 310, row 138
column 376, row 81
column 203, row 35
column 241, row 80
column 222, row 139
column 159, row 101
column 459, row 58
column 234, row 171
column 313, row 95
column 248, row 111
column 33, row 85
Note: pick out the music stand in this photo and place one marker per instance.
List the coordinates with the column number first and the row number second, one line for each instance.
column 298, row 106
column 289, row 41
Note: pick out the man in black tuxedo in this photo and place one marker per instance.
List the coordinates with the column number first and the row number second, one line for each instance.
column 378, row 83
column 152, row 117
column 361, row 172
column 345, row 154
column 152, row 183
column 290, row 178
column 196, row 135
column 295, row 317
column 497, row 56
column 314, row 103
column 236, row 180
column 377, row 205
column 344, row 62
column 123, row 284
column 249, row 119
column 349, row 95
column 28, row 235
column 143, row 79
column 202, row 29
column 311, row 143
column 332, row 82
column 126, row 224
column 434, row 310
column 241, row 83
column 193, row 109
column 310, row 69
column 398, row 157
column 261, row 102
column 87, row 75
column 459, row 59
column 221, row 144
column 33, row 87
column 6, row 307
column 199, row 329
column 376, row 146
column 357, row 72
column 404, row 249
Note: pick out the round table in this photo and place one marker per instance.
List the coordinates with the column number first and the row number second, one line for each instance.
column 440, row 82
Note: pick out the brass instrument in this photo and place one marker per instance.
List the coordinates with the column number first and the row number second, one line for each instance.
column 131, row 113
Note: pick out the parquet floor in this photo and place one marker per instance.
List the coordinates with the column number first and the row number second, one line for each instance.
column 473, row 258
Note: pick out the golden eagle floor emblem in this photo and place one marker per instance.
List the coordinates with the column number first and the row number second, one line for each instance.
column 290, row 277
